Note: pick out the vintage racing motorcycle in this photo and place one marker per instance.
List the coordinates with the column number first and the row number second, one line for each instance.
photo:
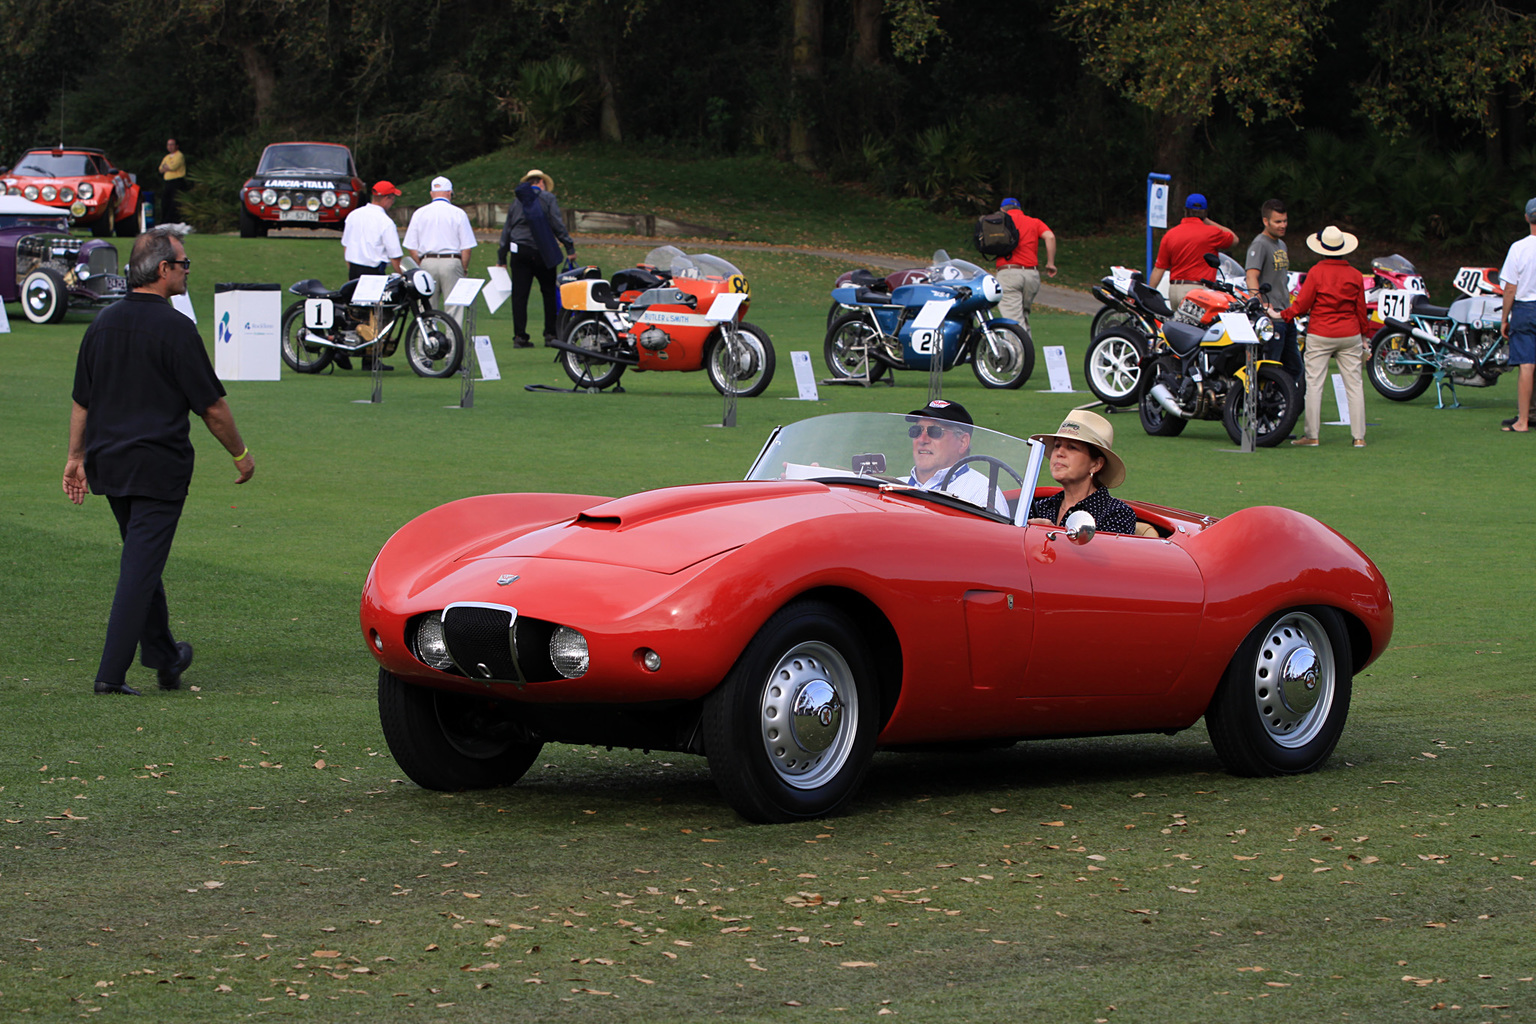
column 324, row 324
column 881, row 330
column 675, row 311
column 1421, row 344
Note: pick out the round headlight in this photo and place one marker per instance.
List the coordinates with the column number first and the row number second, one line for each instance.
column 568, row 652
column 67, row 194
column 1264, row 328
column 13, row 191
column 269, row 197
column 990, row 289
column 30, row 192
column 431, row 648
column 253, row 196
column 344, row 200
column 50, row 193
column 312, row 203
column 328, row 198
column 87, row 190
column 285, row 202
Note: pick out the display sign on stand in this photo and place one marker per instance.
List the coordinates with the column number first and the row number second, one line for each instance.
column 246, row 329
column 5, row 321
column 1056, row 369
column 928, row 337
column 499, row 289
column 1240, row 330
column 367, row 292
column 722, row 311
column 805, row 378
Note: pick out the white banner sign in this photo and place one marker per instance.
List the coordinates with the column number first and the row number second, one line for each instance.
column 1157, row 205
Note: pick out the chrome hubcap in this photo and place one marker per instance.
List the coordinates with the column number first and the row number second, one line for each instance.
column 1294, row 679
column 809, row 714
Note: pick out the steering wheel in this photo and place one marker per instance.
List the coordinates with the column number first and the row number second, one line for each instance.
column 995, row 464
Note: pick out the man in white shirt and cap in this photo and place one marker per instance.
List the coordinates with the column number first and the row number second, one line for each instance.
column 440, row 237
column 369, row 238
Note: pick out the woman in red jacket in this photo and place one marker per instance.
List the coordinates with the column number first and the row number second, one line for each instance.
column 1335, row 297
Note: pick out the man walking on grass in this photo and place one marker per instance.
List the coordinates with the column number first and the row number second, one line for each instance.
column 1518, row 275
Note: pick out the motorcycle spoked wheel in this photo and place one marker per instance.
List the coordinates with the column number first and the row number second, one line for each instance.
column 757, row 361
column 586, row 372
column 1112, row 365
column 434, row 344
column 1279, row 406
column 849, row 347
column 300, row 355
column 1395, row 368
column 1156, row 420
column 1011, row 365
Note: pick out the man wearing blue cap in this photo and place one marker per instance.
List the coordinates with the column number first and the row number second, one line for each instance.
column 1518, row 276
column 1182, row 251
column 1018, row 273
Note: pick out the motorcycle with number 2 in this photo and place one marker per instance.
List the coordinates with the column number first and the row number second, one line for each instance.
column 325, row 324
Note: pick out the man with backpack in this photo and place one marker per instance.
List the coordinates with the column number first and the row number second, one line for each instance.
column 1014, row 238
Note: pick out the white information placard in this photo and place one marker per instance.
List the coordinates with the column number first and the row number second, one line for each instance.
column 1342, row 398
column 499, row 289
column 464, row 291
column 1056, row 369
column 486, row 357
column 5, row 321
column 183, row 304
column 805, row 378
column 932, row 314
column 369, row 290
column 1239, row 328
column 1157, row 205
column 724, row 307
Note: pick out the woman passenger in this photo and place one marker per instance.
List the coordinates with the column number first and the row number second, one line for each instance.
column 1083, row 461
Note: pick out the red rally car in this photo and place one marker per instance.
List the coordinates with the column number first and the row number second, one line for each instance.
column 300, row 185
column 82, row 182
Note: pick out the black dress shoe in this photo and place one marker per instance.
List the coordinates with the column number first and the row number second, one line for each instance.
column 123, row 688
column 549, row 341
column 170, row 678
column 368, row 365
column 521, row 342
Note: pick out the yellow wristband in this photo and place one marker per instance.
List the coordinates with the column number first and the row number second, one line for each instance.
column 242, row 455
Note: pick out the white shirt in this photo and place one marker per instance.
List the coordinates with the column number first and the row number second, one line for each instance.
column 439, row 227
column 1520, row 269
column 369, row 236
column 968, row 485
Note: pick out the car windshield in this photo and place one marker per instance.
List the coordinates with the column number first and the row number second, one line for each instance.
column 878, row 448
column 681, row 264
column 306, row 156
column 43, row 164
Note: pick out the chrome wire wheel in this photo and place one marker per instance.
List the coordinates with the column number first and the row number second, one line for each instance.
column 809, row 715
column 1294, row 680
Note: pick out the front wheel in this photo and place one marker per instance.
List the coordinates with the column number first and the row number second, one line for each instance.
column 449, row 741
column 791, row 731
column 251, row 226
column 434, row 345
column 851, row 340
column 102, row 226
column 44, row 297
column 298, row 351
column 593, row 334
column 751, row 368
column 1397, row 365
column 1006, row 358
column 1278, row 407
column 1109, row 318
column 1281, row 705
column 1113, row 364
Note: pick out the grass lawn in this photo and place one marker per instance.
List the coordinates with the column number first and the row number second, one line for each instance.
column 248, row 849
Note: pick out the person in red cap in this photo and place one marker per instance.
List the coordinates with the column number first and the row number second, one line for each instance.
column 1182, row 251
column 370, row 239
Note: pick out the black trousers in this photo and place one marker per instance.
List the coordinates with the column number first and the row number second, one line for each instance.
column 357, row 270
column 170, row 209
column 524, row 266
column 140, row 616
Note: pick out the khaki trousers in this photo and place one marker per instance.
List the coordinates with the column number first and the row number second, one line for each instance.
column 1019, row 287
column 1349, row 354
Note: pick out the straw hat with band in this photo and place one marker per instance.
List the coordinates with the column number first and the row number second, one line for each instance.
column 1092, row 429
column 1332, row 242
column 544, row 181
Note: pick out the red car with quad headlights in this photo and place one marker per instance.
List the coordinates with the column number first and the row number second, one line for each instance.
column 300, row 185
column 82, row 183
column 788, row 625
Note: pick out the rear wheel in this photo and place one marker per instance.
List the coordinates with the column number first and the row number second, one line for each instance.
column 1277, row 409
column 44, row 298
column 1110, row 318
column 850, row 342
column 299, row 353
column 1396, row 366
column 449, row 741
column 1156, row 420
column 596, row 335
column 434, row 345
column 1281, row 705
column 753, row 364
column 1113, row 364
column 1006, row 359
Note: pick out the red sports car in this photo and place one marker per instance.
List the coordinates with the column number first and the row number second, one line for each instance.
column 787, row 625
column 300, row 185
column 84, row 183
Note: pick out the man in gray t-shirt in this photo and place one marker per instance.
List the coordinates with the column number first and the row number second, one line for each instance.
column 1269, row 262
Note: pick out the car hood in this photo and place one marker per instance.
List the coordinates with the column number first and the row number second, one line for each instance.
column 667, row 530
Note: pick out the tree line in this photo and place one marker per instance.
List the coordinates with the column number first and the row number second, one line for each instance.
column 1405, row 116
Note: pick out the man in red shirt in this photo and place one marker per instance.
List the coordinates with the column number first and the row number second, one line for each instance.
column 1018, row 273
column 1182, row 250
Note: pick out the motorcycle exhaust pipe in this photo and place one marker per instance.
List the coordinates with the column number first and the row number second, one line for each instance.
column 1417, row 332
column 315, row 339
column 1164, row 398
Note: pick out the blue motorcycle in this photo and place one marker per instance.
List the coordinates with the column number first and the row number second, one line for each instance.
column 948, row 316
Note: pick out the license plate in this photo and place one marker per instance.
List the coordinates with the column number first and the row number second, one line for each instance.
column 299, row 215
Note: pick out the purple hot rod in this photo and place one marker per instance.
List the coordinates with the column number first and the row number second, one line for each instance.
column 48, row 270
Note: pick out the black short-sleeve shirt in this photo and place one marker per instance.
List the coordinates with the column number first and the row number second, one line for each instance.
column 1110, row 514
column 142, row 368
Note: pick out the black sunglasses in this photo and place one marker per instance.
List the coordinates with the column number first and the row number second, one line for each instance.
column 934, row 431
column 185, row 264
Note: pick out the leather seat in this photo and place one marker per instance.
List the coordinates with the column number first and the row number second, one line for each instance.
column 1182, row 338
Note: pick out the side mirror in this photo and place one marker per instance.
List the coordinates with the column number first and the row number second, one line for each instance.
column 1080, row 527
column 1212, row 260
column 1265, row 288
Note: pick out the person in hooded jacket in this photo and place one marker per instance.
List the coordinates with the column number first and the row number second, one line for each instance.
column 530, row 250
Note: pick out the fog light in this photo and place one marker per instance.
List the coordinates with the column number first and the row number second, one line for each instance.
column 77, row 210
column 650, row 659
column 378, row 641
column 285, row 202
column 312, row 203
column 568, row 652
column 431, row 648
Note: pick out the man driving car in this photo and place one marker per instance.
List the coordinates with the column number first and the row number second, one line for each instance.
column 941, row 437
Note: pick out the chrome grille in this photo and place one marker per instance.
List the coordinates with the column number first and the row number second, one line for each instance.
column 102, row 260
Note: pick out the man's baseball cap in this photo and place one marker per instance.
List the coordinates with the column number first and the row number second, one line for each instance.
column 1195, row 201
column 939, row 409
column 385, row 188
column 1530, row 208
column 441, row 184
column 1010, row 201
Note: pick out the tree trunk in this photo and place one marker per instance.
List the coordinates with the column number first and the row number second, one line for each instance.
column 608, row 109
column 1175, row 138
column 866, row 32
column 262, row 80
column 804, row 80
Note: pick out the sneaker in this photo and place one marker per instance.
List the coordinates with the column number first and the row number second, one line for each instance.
column 122, row 688
column 170, row 678
column 1359, row 442
column 1306, row 442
